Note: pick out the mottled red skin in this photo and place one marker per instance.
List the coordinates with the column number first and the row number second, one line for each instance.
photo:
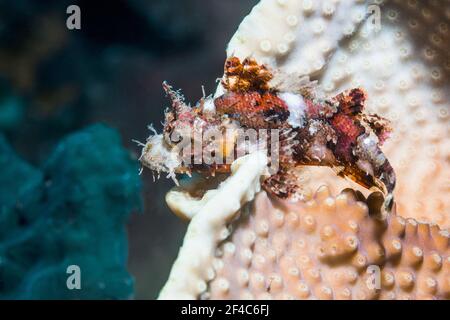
column 266, row 110
column 347, row 131
column 253, row 109
column 312, row 109
column 342, row 115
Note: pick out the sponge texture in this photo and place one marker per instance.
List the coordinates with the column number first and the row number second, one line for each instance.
column 71, row 212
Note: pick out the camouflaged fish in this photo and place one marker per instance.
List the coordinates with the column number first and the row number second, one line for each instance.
column 312, row 131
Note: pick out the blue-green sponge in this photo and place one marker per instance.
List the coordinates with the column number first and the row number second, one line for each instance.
column 72, row 211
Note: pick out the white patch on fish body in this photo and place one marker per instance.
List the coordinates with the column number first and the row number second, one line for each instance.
column 209, row 106
column 297, row 108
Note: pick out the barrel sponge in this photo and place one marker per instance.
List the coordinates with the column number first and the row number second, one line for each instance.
column 72, row 211
column 327, row 248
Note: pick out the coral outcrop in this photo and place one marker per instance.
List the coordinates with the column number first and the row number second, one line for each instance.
column 330, row 248
column 71, row 212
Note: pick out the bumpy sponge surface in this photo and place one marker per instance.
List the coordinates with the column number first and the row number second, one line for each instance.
column 71, row 212
column 330, row 248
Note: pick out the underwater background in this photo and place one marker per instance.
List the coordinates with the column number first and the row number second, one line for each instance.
column 71, row 102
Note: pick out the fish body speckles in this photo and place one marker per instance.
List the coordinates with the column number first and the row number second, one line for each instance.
column 334, row 132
